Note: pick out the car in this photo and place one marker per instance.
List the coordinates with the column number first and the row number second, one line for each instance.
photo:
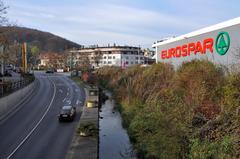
column 67, row 113
column 9, row 67
column 7, row 73
column 49, row 71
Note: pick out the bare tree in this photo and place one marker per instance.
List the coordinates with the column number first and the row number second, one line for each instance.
column 3, row 12
column 83, row 62
column 97, row 55
column 55, row 60
column 3, row 38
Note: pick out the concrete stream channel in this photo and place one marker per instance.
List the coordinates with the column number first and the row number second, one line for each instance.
column 112, row 141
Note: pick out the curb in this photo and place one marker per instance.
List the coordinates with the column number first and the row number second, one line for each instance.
column 75, row 135
column 83, row 147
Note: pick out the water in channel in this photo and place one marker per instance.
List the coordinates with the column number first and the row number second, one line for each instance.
column 114, row 141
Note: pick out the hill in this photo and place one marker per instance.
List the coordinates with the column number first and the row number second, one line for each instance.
column 45, row 41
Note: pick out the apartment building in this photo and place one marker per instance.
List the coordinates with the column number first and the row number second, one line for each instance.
column 122, row 56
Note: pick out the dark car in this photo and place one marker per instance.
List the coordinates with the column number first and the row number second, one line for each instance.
column 67, row 113
column 7, row 73
column 49, row 71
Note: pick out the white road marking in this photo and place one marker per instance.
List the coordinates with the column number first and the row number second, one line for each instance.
column 78, row 102
column 68, row 101
column 35, row 127
column 66, row 97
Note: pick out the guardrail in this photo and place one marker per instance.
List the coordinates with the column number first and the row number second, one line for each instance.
column 8, row 87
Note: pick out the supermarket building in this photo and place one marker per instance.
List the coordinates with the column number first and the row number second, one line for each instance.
column 219, row 43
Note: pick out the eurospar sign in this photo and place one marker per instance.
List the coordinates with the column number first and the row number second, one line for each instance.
column 220, row 44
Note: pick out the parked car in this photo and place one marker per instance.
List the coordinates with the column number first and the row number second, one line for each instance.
column 9, row 67
column 17, row 70
column 67, row 113
column 7, row 73
column 49, row 71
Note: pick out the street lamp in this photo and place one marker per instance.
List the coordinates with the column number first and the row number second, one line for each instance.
column 139, row 54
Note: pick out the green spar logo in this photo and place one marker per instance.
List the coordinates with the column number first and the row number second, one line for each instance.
column 221, row 44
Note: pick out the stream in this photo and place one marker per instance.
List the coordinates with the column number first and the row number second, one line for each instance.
column 114, row 141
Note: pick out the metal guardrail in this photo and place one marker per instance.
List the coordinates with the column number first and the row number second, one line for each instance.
column 8, row 87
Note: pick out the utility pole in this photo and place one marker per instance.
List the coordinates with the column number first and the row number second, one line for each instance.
column 24, row 57
column 2, row 59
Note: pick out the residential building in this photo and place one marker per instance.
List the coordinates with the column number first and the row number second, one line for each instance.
column 122, row 56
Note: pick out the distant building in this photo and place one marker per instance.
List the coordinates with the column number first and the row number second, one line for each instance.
column 149, row 56
column 122, row 56
column 44, row 60
column 53, row 60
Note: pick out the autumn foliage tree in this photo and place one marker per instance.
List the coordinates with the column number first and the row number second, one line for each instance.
column 190, row 112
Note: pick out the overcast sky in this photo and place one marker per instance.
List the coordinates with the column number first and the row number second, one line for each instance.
column 124, row 22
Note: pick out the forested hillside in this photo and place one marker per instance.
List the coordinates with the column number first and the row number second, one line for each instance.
column 46, row 42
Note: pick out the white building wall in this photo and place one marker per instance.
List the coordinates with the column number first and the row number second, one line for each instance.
column 120, row 59
column 44, row 62
column 131, row 60
column 228, row 59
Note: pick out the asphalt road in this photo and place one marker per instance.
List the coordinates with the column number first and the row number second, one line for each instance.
column 34, row 132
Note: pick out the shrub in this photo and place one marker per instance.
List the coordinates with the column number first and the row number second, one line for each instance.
column 87, row 129
column 199, row 83
column 211, row 150
column 165, row 110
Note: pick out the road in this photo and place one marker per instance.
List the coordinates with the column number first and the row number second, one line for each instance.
column 34, row 132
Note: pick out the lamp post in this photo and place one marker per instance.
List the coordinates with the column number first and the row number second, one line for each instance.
column 71, row 64
column 139, row 61
column 2, row 60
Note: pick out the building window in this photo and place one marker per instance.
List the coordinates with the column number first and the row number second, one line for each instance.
column 104, row 57
column 141, row 58
column 127, row 57
column 109, row 57
column 104, row 62
column 113, row 57
column 109, row 62
column 136, row 58
column 132, row 63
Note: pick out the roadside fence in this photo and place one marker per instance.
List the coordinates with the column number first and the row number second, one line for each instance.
column 8, row 87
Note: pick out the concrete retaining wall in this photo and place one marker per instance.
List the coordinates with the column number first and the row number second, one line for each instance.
column 11, row 102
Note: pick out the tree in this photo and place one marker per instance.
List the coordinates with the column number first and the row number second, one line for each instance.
column 35, row 50
column 3, row 38
column 97, row 55
column 3, row 12
column 33, row 55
